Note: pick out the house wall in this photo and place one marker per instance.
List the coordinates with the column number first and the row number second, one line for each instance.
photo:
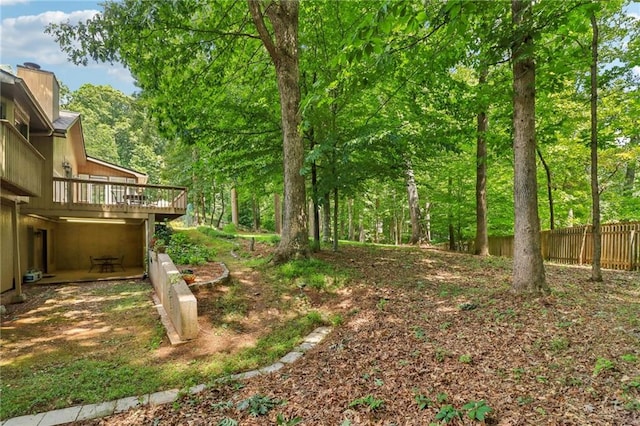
column 6, row 249
column 34, row 233
column 75, row 242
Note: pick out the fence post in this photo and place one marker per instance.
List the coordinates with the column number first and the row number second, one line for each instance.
column 632, row 251
column 584, row 240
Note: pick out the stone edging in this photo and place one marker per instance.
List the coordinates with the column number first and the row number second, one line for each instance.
column 104, row 409
column 220, row 280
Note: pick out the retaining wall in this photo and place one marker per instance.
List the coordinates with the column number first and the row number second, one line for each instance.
column 174, row 294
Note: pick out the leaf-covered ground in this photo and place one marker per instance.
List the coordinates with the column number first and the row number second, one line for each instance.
column 425, row 333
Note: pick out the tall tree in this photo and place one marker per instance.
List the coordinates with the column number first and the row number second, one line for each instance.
column 528, row 268
column 596, row 273
column 283, row 50
column 482, row 233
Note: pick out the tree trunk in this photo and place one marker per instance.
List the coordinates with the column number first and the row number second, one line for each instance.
column 596, row 273
column 315, row 212
column 234, row 207
column 427, row 219
column 482, row 235
column 277, row 211
column 414, row 204
column 221, row 207
column 255, row 213
column 452, row 233
column 547, row 171
column 326, row 218
column 528, row 268
column 335, row 219
column 361, row 235
column 283, row 50
column 351, row 227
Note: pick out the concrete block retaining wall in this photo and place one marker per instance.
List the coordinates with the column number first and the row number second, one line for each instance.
column 174, row 294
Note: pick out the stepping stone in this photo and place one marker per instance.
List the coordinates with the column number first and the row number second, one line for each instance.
column 291, row 357
column 58, row 417
column 272, row 368
column 93, row 411
column 131, row 402
column 163, row 397
column 31, row 420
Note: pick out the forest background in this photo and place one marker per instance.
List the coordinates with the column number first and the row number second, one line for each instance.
column 390, row 99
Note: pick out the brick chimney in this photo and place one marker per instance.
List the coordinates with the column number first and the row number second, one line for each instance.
column 44, row 86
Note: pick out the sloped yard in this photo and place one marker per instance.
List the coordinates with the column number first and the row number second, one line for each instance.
column 424, row 336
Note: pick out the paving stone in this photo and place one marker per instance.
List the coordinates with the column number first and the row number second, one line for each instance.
column 94, row 411
column 58, row 417
column 291, row 357
column 163, row 397
column 246, row 375
column 31, row 420
column 303, row 347
column 133, row 401
column 317, row 335
column 197, row 389
column 272, row 368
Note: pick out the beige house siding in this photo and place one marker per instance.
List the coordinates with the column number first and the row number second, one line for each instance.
column 75, row 242
column 6, row 249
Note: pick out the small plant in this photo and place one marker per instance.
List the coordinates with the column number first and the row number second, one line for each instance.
column 258, row 405
column 382, row 303
column 423, row 402
column 441, row 354
column 524, row 400
column 602, row 364
column 368, row 401
column 465, row 359
column 477, row 410
column 629, row 358
column 227, row 422
column 419, row 333
column 559, row 344
column 442, row 397
column 281, row 420
column 448, row 413
column 222, row 405
column 445, row 325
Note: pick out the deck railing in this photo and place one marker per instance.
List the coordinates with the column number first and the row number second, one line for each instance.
column 72, row 192
column 21, row 164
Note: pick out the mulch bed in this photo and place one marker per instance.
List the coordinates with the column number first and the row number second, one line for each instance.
column 421, row 325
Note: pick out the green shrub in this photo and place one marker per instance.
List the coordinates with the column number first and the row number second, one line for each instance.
column 184, row 252
column 230, row 228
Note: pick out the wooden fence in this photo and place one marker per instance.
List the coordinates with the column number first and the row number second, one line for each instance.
column 574, row 246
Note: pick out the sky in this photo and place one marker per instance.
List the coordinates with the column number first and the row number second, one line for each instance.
column 22, row 39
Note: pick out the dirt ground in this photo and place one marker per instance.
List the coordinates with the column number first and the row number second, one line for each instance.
column 425, row 331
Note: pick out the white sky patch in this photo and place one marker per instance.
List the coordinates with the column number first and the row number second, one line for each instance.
column 636, row 70
column 24, row 36
column 12, row 2
column 120, row 73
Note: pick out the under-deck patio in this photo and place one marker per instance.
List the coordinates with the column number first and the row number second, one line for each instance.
column 80, row 276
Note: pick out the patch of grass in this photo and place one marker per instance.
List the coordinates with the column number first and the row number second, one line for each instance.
column 312, row 273
column 272, row 346
column 559, row 344
column 603, row 364
column 465, row 359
